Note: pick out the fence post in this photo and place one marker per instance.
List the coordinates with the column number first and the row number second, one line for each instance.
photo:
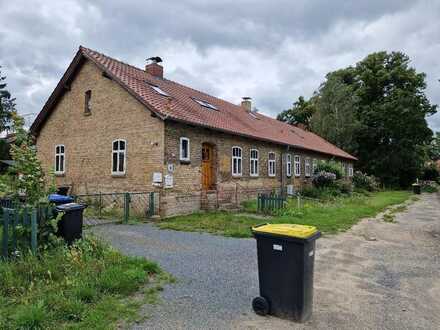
column 34, row 230
column 100, row 205
column 126, row 206
column 5, row 233
column 151, row 206
column 298, row 201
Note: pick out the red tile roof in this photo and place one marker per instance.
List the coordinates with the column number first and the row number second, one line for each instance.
column 181, row 107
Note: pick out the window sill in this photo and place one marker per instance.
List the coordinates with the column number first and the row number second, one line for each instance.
column 255, row 176
column 86, row 114
column 237, row 176
column 272, row 176
column 185, row 162
column 118, row 175
column 60, row 174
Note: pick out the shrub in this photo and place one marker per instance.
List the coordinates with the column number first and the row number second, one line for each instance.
column 430, row 173
column 330, row 167
column 363, row 181
column 323, row 179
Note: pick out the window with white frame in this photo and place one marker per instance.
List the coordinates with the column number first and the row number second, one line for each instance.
column 307, row 168
column 271, row 164
column 314, row 165
column 253, row 170
column 119, row 157
column 350, row 170
column 237, row 161
column 289, row 165
column 297, row 162
column 60, row 159
column 184, row 149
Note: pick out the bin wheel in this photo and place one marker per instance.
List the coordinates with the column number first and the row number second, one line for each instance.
column 260, row 306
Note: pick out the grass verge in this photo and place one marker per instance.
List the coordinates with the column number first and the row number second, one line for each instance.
column 87, row 286
column 331, row 217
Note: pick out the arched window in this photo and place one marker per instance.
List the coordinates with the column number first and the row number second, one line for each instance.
column 119, row 157
column 254, row 166
column 236, row 161
column 60, row 159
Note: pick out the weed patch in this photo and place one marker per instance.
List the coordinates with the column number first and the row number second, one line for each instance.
column 87, row 286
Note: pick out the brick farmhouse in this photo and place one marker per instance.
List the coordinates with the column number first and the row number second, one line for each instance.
column 112, row 127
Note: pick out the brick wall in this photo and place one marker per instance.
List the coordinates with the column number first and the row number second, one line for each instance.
column 187, row 176
column 115, row 114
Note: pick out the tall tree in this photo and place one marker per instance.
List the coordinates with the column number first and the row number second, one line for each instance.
column 300, row 113
column 7, row 104
column 335, row 116
column 392, row 109
column 377, row 111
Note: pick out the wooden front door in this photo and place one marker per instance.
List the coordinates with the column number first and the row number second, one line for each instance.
column 207, row 166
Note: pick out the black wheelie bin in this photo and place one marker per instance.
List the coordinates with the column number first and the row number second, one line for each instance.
column 286, row 254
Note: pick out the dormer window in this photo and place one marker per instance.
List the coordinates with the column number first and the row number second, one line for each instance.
column 205, row 104
column 158, row 90
column 88, row 102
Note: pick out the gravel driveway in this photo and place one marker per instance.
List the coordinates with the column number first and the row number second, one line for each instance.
column 378, row 275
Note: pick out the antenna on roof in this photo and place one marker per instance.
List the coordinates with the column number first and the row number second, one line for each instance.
column 154, row 59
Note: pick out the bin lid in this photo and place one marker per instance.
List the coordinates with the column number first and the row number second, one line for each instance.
column 286, row 229
column 70, row 207
column 60, row 198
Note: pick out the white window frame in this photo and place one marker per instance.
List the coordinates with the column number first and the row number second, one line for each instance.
column 314, row 165
column 254, row 161
column 118, row 151
column 188, row 158
column 350, row 171
column 58, row 155
column 271, row 161
column 289, row 165
column 307, row 167
column 297, row 165
column 239, row 160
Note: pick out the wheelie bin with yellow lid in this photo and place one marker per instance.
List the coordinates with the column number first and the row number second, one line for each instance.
column 286, row 254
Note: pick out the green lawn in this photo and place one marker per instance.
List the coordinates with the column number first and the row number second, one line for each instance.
column 329, row 217
column 90, row 286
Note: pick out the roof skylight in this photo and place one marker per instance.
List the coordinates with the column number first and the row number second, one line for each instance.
column 158, row 90
column 205, row 104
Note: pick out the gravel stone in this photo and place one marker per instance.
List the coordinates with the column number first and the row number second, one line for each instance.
column 389, row 283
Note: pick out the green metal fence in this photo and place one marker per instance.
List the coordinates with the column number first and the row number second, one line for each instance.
column 118, row 207
column 19, row 228
column 270, row 202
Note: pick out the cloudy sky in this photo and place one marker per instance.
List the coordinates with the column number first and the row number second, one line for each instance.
column 273, row 51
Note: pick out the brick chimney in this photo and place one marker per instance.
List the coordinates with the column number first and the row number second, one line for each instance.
column 154, row 68
column 247, row 103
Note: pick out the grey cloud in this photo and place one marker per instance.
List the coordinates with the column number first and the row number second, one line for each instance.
column 272, row 51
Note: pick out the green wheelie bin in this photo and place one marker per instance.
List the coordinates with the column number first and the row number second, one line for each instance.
column 286, row 254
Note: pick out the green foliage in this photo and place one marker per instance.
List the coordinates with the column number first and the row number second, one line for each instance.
column 300, row 113
column 330, row 166
column 7, row 104
column 434, row 147
column 322, row 179
column 377, row 111
column 26, row 176
column 87, row 286
column 362, row 181
column 430, row 173
column 334, row 118
column 430, row 188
